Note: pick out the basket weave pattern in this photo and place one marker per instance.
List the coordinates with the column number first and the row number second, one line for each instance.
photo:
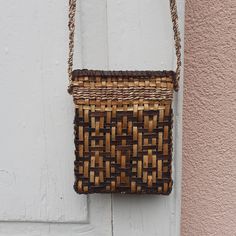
column 123, row 131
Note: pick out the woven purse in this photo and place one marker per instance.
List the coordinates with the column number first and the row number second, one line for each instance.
column 123, row 124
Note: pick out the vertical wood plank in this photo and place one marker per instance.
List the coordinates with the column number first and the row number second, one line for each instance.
column 140, row 37
column 36, row 176
column 93, row 54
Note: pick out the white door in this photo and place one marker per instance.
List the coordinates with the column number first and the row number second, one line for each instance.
column 36, row 138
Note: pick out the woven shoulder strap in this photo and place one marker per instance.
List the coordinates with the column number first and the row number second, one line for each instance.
column 174, row 17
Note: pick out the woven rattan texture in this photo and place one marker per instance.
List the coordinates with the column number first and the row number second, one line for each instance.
column 123, row 131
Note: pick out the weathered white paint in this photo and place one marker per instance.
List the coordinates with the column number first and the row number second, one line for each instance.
column 36, row 148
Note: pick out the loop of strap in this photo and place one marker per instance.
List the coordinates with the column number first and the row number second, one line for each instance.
column 174, row 17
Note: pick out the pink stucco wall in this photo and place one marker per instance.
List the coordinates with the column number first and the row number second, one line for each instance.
column 209, row 161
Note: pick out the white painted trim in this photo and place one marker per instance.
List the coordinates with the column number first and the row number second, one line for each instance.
column 178, row 131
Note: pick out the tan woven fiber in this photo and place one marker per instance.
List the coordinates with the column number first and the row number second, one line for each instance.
column 122, row 131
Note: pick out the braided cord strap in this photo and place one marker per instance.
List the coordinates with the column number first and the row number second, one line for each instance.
column 174, row 17
column 71, row 26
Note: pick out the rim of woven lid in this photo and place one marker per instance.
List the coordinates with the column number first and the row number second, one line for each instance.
column 125, row 73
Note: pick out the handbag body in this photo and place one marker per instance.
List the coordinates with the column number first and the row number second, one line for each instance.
column 123, row 125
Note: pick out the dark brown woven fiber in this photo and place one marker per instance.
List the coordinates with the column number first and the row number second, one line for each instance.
column 123, row 131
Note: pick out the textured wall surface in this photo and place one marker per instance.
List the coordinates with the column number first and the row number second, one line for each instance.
column 209, row 171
